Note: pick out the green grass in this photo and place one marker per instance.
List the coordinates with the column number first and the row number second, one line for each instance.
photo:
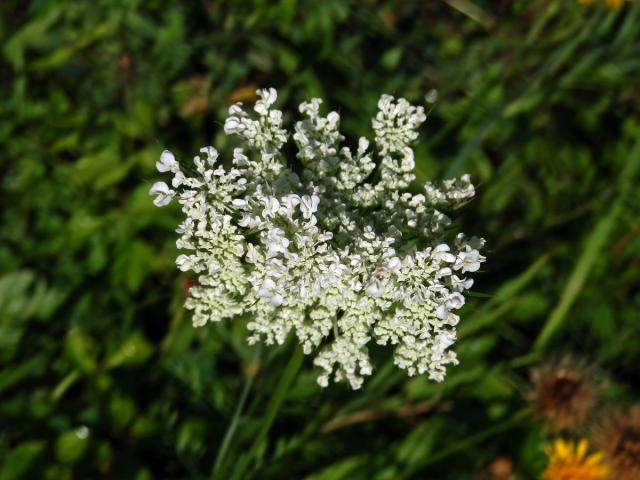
column 101, row 373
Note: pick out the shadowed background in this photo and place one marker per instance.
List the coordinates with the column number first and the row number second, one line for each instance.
column 101, row 373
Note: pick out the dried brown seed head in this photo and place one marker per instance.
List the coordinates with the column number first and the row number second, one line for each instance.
column 619, row 438
column 563, row 394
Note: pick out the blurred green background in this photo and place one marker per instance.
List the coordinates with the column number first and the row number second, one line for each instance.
column 101, row 373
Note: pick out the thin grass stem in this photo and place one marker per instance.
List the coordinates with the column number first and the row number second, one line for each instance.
column 233, row 425
column 279, row 394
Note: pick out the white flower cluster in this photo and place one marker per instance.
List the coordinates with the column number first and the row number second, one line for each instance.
column 332, row 245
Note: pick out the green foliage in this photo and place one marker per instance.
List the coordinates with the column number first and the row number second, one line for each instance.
column 101, row 373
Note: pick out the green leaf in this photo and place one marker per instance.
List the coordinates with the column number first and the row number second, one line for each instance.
column 132, row 351
column 81, row 349
column 72, row 444
column 391, row 58
column 121, row 411
column 21, row 459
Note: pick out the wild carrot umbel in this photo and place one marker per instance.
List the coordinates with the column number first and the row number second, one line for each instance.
column 341, row 253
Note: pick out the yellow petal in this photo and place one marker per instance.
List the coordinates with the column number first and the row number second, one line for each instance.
column 595, row 458
column 581, row 451
column 563, row 449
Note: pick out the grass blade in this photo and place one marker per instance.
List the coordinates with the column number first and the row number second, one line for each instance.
column 593, row 246
column 275, row 402
column 233, row 425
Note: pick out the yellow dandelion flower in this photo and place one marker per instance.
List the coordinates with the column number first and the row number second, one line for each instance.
column 570, row 461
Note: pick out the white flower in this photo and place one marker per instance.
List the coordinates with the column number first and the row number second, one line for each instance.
column 269, row 97
column 309, row 205
column 253, row 254
column 375, row 289
column 443, row 341
column 468, row 261
column 167, row 162
column 240, row 203
column 185, row 262
column 162, row 193
column 289, row 203
column 276, row 242
column 441, row 253
column 178, row 179
column 325, row 253
column 453, row 302
column 271, row 206
column 460, row 284
column 270, row 292
column 232, row 125
column 250, row 220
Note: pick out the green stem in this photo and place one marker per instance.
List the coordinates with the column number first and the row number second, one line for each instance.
column 275, row 403
column 231, row 430
column 507, row 424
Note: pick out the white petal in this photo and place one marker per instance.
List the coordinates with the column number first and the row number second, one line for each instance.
column 276, row 300
column 178, row 179
column 163, row 194
column 231, row 125
column 159, row 188
column 167, row 162
column 375, row 289
column 162, row 200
